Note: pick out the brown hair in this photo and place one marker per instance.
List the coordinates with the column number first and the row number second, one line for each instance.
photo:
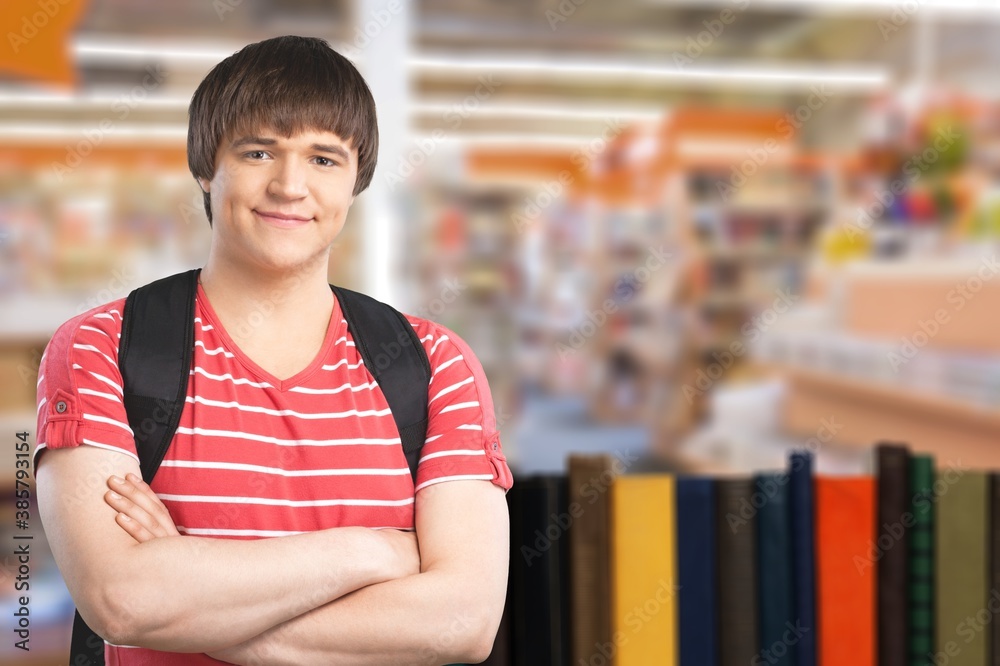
column 288, row 84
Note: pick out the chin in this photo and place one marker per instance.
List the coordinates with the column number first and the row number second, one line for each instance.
column 286, row 262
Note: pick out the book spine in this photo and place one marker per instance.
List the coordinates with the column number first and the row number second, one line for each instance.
column 893, row 541
column 961, row 568
column 736, row 541
column 590, row 477
column 803, row 554
column 921, row 570
column 846, row 570
column 540, row 572
column 696, row 567
column 994, row 511
column 774, row 571
column 644, row 573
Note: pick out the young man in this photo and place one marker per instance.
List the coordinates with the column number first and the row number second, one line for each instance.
column 283, row 526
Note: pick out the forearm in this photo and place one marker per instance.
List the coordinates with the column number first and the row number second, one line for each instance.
column 192, row 594
column 428, row 618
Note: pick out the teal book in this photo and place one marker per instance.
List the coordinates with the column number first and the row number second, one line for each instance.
column 775, row 573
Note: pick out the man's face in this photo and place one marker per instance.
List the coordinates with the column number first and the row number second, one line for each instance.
column 278, row 203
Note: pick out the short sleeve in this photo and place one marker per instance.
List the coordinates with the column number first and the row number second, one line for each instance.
column 462, row 437
column 80, row 387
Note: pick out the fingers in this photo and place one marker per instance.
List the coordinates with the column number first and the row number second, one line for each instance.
column 136, row 499
column 133, row 518
column 136, row 490
column 134, row 528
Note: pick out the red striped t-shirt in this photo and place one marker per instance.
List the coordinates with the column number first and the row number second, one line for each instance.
column 255, row 456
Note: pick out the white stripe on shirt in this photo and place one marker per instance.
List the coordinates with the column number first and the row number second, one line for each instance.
column 453, row 387
column 84, row 327
column 447, row 363
column 288, row 412
column 459, row 405
column 278, row 501
column 460, row 477
column 440, row 340
column 246, row 467
column 87, row 391
column 228, row 377
column 206, row 432
column 105, row 419
column 214, row 352
column 341, row 362
column 354, row 389
column 77, row 366
column 455, row 452
column 108, row 447
column 94, row 349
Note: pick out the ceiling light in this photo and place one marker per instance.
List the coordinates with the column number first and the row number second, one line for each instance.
column 789, row 75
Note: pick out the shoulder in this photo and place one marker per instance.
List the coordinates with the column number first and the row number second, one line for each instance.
column 441, row 343
column 98, row 328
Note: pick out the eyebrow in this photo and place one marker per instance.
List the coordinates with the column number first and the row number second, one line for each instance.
column 266, row 141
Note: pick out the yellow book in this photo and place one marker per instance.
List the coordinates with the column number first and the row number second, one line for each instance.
column 643, row 570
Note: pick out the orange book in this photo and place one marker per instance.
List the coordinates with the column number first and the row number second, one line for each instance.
column 846, row 565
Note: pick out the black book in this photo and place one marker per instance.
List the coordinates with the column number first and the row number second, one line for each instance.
column 892, row 539
column 736, row 540
column 539, row 614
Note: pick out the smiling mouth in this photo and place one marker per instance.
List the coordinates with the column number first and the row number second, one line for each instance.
column 282, row 220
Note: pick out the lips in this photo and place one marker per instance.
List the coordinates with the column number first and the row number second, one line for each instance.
column 284, row 220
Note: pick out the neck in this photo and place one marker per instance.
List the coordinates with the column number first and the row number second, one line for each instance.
column 286, row 301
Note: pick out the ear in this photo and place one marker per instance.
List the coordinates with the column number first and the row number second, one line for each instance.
column 205, row 185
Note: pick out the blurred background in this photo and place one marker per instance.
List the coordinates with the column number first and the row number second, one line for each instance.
column 699, row 232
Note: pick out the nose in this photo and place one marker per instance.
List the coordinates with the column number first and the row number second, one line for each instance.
column 288, row 181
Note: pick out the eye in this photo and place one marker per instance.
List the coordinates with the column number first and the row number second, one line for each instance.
column 326, row 161
column 255, row 154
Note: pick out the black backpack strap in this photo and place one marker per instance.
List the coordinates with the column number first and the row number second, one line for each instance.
column 394, row 356
column 154, row 356
column 86, row 647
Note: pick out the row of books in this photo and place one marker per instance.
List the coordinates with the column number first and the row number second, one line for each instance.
column 789, row 568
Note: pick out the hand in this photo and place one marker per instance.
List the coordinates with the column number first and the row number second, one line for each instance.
column 140, row 511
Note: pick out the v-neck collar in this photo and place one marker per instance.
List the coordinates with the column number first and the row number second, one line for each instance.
column 299, row 378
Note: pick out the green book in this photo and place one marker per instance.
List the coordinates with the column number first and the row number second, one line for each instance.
column 921, row 555
column 961, row 567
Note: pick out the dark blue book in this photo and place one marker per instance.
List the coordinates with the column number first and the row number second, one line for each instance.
column 802, row 508
column 696, row 568
column 774, row 569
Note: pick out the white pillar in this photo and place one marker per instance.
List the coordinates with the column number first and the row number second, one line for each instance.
column 384, row 58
